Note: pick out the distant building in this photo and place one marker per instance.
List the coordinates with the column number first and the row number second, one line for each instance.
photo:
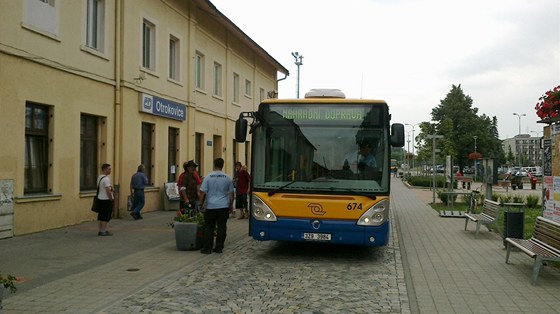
column 120, row 82
column 525, row 149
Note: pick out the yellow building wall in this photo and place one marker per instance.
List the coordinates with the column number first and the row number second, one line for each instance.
column 25, row 81
column 58, row 71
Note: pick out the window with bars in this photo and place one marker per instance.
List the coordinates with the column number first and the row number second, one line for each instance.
column 147, row 149
column 89, row 143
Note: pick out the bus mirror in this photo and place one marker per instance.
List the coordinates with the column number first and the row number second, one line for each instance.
column 397, row 135
column 240, row 129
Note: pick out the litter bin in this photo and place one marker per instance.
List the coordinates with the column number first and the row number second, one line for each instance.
column 514, row 221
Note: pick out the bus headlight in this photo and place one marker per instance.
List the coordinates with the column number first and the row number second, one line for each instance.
column 261, row 211
column 376, row 215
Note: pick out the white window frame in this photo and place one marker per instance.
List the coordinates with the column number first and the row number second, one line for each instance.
column 199, row 70
column 248, row 88
column 217, row 79
column 95, row 24
column 174, row 58
column 42, row 17
column 235, row 88
column 148, row 45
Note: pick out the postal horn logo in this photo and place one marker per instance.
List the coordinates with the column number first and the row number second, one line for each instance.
column 148, row 102
column 317, row 209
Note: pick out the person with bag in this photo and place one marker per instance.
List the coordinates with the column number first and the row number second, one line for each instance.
column 217, row 192
column 138, row 182
column 105, row 200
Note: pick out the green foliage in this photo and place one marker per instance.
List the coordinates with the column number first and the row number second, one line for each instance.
column 426, row 181
column 446, row 198
column 532, row 201
column 518, row 199
column 504, row 199
column 183, row 216
column 8, row 282
column 455, row 118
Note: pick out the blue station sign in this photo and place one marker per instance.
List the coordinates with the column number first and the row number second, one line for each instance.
column 162, row 107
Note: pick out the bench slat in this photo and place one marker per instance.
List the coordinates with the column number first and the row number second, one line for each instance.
column 543, row 245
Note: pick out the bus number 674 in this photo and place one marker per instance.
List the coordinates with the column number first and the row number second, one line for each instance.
column 354, row 206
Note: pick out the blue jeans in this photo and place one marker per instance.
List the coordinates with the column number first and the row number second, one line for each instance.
column 138, row 201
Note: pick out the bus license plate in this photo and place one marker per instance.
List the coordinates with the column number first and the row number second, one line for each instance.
column 317, row 236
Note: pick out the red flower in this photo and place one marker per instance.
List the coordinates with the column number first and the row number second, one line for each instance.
column 549, row 104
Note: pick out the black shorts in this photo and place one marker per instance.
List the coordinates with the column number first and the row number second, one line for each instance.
column 241, row 201
column 105, row 210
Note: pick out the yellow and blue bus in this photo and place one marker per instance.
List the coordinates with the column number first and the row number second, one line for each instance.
column 320, row 168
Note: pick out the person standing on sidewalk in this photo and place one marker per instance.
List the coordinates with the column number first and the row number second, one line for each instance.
column 241, row 190
column 217, row 188
column 189, row 188
column 138, row 183
column 105, row 197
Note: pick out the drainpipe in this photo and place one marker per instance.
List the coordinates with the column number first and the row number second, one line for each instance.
column 118, row 108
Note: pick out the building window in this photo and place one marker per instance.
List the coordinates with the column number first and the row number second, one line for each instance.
column 261, row 94
column 42, row 15
column 36, row 149
column 235, row 88
column 95, row 24
column 248, row 88
column 172, row 167
column 199, row 70
column 147, row 148
column 174, row 55
column 217, row 79
column 88, row 152
column 148, row 45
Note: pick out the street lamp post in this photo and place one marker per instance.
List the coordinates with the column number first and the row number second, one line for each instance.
column 299, row 61
column 407, row 153
column 413, row 141
column 517, row 148
column 475, row 165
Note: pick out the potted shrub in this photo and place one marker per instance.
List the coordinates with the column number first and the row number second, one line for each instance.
column 189, row 228
column 6, row 284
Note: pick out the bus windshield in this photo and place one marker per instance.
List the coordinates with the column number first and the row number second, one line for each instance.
column 338, row 148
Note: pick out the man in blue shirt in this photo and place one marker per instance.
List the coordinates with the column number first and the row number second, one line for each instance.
column 217, row 190
column 137, row 184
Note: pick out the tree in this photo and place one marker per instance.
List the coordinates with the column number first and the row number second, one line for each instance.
column 458, row 121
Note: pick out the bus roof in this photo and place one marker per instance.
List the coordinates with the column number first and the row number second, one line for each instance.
column 323, row 95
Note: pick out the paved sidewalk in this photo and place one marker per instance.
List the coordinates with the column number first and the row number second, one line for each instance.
column 73, row 270
column 446, row 269
column 449, row 271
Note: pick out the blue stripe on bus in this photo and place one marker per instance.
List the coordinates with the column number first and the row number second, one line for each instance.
column 341, row 231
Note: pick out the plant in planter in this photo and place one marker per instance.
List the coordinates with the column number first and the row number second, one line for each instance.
column 189, row 229
column 6, row 283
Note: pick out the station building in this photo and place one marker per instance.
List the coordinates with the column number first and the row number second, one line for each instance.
column 123, row 82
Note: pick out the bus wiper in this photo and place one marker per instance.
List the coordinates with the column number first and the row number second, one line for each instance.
column 280, row 188
column 359, row 193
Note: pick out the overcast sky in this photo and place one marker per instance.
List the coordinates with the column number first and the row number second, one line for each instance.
column 505, row 54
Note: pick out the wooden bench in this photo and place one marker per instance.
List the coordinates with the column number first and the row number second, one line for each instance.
column 544, row 245
column 489, row 216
